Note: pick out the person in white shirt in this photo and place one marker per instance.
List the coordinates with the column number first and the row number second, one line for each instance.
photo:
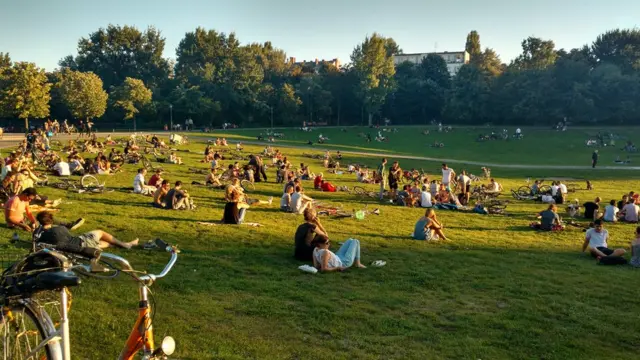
column 139, row 186
column 563, row 189
column 611, row 212
column 596, row 241
column 554, row 188
column 495, row 186
column 630, row 212
column 62, row 168
column 300, row 201
column 464, row 184
column 425, row 198
column 518, row 131
column 448, row 174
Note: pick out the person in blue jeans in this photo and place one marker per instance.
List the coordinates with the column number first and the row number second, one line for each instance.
column 325, row 260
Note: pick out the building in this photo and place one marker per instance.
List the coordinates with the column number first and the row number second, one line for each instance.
column 315, row 63
column 454, row 60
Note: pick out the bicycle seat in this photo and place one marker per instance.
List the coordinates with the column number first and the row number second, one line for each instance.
column 56, row 280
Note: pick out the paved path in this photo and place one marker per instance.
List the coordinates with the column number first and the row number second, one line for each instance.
column 425, row 158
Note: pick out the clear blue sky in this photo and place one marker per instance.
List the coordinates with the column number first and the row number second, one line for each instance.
column 44, row 31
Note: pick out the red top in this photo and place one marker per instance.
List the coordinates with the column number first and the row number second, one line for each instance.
column 317, row 182
column 154, row 180
column 327, row 186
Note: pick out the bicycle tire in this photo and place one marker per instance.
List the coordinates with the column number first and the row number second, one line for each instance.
column 247, row 185
column 359, row 190
column 89, row 181
column 146, row 163
column 61, row 185
column 24, row 312
column 524, row 190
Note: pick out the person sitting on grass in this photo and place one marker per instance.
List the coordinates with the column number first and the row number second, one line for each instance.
column 635, row 249
column 494, row 186
column 623, row 202
column 139, row 186
column 307, row 234
column 299, row 201
column 156, row 179
column 317, row 182
column 596, row 241
column 629, row 212
column 591, row 209
column 285, row 201
column 549, row 220
column 235, row 210
column 303, row 172
column 178, row 199
column 611, row 212
column 425, row 198
column 160, row 194
column 405, row 197
column 61, row 237
column 213, row 179
column 325, row 260
column 174, row 159
column 16, row 208
column 428, row 227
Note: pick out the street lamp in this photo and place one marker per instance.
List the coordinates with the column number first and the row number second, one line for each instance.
column 171, row 116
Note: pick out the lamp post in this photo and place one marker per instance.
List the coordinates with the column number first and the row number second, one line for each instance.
column 171, row 116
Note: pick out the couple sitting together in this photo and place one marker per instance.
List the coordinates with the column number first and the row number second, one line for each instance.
column 312, row 244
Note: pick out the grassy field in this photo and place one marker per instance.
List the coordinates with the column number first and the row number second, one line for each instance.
column 495, row 290
column 538, row 147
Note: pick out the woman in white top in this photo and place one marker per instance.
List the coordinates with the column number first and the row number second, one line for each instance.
column 611, row 212
column 325, row 260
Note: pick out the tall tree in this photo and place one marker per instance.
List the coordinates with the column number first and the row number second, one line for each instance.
column 5, row 60
column 490, row 63
column 373, row 63
column 25, row 92
column 436, row 81
column 118, row 52
column 619, row 47
column 473, row 46
column 82, row 94
column 130, row 97
column 537, row 54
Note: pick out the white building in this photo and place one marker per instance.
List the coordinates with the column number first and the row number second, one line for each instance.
column 454, row 60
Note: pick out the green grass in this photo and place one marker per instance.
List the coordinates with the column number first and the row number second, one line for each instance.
column 539, row 146
column 496, row 290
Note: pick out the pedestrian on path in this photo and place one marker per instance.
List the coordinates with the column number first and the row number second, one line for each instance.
column 594, row 159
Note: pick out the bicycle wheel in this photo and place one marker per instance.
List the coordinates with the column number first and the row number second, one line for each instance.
column 247, row 185
column 359, row 190
column 524, row 191
column 146, row 163
column 89, row 181
column 544, row 189
column 23, row 325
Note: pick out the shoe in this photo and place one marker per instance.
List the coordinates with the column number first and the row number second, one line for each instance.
column 270, row 200
column 76, row 224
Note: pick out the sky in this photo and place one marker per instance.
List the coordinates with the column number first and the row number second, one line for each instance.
column 44, row 31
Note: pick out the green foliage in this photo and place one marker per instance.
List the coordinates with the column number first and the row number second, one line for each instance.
column 620, row 47
column 24, row 92
column 131, row 96
column 537, row 54
column 473, row 45
column 373, row 63
column 5, row 61
column 82, row 93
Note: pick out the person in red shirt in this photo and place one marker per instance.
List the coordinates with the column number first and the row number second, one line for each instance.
column 317, row 183
column 328, row 187
column 156, row 179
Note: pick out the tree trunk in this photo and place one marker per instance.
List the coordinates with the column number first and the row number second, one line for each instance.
column 339, row 106
column 26, row 125
column 134, row 124
column 370, row 119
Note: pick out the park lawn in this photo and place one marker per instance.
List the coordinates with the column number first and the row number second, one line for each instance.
column 538, row 147
column 496, row 290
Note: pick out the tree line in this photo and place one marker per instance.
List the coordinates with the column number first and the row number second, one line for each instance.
column 120, row 77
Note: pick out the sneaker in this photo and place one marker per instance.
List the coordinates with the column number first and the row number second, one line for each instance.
column 270, row 200
column 76, row 224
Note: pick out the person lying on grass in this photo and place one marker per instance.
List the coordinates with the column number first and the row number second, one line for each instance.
column 635, row 249
column 596, row 241
column 60, row 236
column 325, row 260
column 327, row 186
column 549, row 220
column 307, row 235
column 428, row 227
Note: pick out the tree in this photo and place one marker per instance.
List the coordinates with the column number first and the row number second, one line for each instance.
column 82, row 94
column 436, row 81
column 288, row 103
column 118, row 52
column 619, row 47
column 24, row 92
column 5, row 60
column 468, row 99
column 537, row 54
column 473, row 46
column 130, row 97
column 373, row 63
column 490, row 63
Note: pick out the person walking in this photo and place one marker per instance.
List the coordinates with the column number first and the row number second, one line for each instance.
column 594, row 159
column 381, row 172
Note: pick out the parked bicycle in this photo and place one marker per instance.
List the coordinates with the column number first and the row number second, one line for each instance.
column 26, row 327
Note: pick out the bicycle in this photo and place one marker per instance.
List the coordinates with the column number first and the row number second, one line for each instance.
column 22, row 316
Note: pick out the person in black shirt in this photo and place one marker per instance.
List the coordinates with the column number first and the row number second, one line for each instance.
column 234, row 210
column 591, row 209
column 594, row 159
column 61, row 238
column 623, row 202
column 307, row 235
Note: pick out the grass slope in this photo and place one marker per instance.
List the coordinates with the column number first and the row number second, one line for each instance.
column 497, row 290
